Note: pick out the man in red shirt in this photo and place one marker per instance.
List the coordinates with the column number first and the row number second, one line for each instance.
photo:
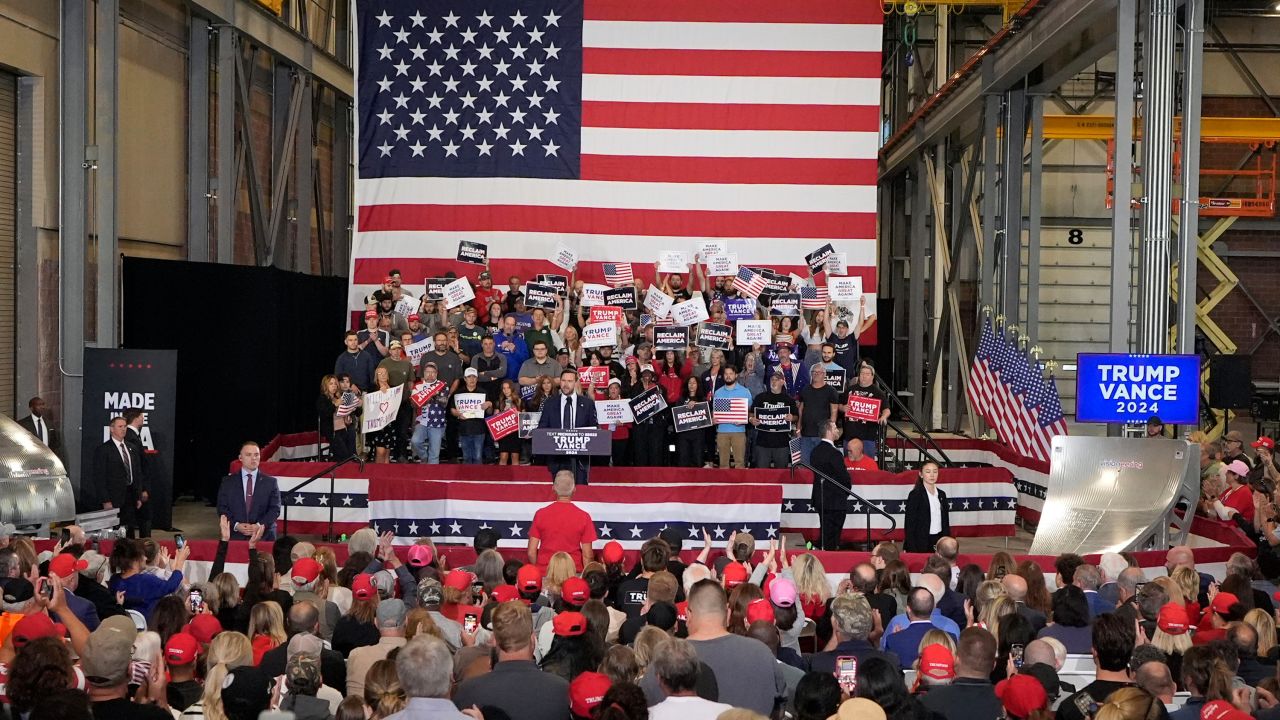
column 561, row 526
column 855, row 460
column 486, row 294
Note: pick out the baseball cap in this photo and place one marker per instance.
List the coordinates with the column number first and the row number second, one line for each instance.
column 96, row 561
column 18, row 590
column 859, row 709
column 66, row 565
column 569, row 624
column 735, row 573
column 575, row 591
column 1238, row 467
column 1222, row 710
column 612, row 552
column 782, row 591
column 782, row 340
column 362, row 587
column 370, row 313
column 391, row 613
column 1234, row 436
column 181, row 649
column 1173, row 619
column 484, row 275
column 395, row 344
column 106, row 656
column 388, row 279
column 302, row 674
column 458, row 580
column 1265, row 442
column 587, row 691
column 1021, row 695
column 937, row 662
column 419, row 555
column 529, row 578
column 203, row 627
column 246, row 692
column 1222, row 602
column 305, row 571
column 36, row 626
column 430, row 592
column 1154, row 421
column 661, row 615
column 414, row 317
column 470, row 372
column 505, row 593
column 758, row 610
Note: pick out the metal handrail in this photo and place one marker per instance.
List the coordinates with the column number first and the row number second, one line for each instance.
column 330, row 472
column 905, row 412
column 893, row 521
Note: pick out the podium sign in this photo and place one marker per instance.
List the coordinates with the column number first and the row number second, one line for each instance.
column 572, row 441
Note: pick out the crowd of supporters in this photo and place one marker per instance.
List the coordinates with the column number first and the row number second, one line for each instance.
column 514, row 355
column 572, row 629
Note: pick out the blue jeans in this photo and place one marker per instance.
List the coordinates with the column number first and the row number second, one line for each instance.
column 427, row 442
column 472, row 448
column 807, row 444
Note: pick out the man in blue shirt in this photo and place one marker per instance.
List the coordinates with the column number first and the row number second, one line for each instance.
column 905, row 643
column 732, row 437
column 934, row 585
column 510, row 343
column 356, row 363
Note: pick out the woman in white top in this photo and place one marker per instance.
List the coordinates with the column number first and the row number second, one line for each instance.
column 927, row 518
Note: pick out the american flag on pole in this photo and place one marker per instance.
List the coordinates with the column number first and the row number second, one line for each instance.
column 1007, row 389
column 796, row 454
column 748, row 282
column 618, row 274
column 813, row 298
column 616, row 127
column 731, row 411
column 348, row 404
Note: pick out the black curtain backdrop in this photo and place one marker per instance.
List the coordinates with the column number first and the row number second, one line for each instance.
column 252, row 346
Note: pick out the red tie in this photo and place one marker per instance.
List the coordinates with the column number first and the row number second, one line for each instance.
column 248, row 492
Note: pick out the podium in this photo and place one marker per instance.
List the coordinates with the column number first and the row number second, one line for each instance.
column 567, row 447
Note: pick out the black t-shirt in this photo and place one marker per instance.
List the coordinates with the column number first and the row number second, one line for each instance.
column 846, row 355
column 773, row 436
column 816, row 408
column 182, row 695
column 860, row 428
column 631, row 595
column 123, row 709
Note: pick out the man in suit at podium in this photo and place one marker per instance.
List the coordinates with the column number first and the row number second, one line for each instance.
column 118, row 481
column 37, row 423
column 568, row 409
column 830, row 499
column 249, row 498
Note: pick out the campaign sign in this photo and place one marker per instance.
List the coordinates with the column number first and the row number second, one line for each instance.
column 837, row 264
column 863, row 408
column 473, row 252
column 692, row 312
column 818, row 258
column 623, row 297
column 564, row 257
column 559, row 282
column 597, row 375
column 774, row 283
column 435, row 288
column 503, row 424
column 407, row 305
column 786, row 304
column 707, row 248
column 470, row 405
column 739, row 308
column 658, row 302
column 593, row 294
column 423, row 392
column 836, row 380
column 647, row 404
column 844, row 289
column 381, row 408
column 773, row 420
column 572, row 441
column 713, row 335
column 613, row 412
column 670, row 338
column 458, row 292
column 600, row 334
column 605, row 313
column 415, row 351
column 1118, row 388
column 540, row 296
column 691, row 417
column 673, row 261
column 753, row 332
column 528, row 421
column 721, row 265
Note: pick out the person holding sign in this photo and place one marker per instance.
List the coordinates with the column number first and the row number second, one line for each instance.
column 382, row 440
column 486, row 293
column 731, row 436
column 845, row 341
column 429, row 429
column 621, row 432
column 469, row 406
column 927, row 519
column 691, row 444
column 509, row 445
column 868, row 431
column 772, row 413
column 568, row 409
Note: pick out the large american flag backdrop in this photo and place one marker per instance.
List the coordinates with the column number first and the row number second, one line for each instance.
column 617, row 127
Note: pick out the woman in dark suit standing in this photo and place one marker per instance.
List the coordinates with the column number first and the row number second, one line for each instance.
column 927, row 517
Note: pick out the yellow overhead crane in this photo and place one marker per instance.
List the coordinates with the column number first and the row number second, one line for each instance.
column 912, row 8
column 1212, row 129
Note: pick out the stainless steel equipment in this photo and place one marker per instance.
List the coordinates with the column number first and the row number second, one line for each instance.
column 1110, row 494
column 35, row 491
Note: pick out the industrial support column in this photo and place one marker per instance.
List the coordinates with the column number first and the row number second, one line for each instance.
column 340, row 223
column 72, row 232
column 990, row 211
column 224, row 184
column 1035, row 170
column 941, row 49
column 915, row 306
column 304, row 156
column 1121, row 212
column 1157, row 177
column 1189, row 213
column 1015, row 130
column 106, row 84
column 198, row 140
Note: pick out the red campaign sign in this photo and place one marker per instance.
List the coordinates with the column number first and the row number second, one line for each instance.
column 503, row 424
column 599, row 374
column 606, row 313
column 863, row 408
column 423, row 392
